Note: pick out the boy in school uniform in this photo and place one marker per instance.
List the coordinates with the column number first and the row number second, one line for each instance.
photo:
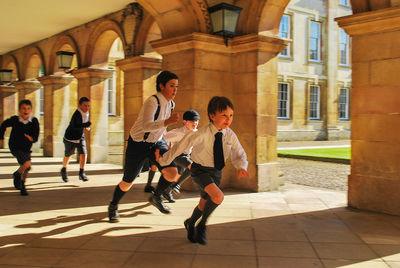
column 190, row 121
column 74, row 137
column 212, row 145
column 25, row 132
column 146, row 136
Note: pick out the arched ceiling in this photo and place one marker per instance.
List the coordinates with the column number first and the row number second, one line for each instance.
column 23, row 22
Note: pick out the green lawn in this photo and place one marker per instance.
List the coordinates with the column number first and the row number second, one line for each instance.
column 340, row 152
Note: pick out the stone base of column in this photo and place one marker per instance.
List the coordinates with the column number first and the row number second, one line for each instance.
column 268, row 176
column 374, row 194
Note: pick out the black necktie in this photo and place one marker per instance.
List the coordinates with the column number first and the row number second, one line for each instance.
column 219, row 161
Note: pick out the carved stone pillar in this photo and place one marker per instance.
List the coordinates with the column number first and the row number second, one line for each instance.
column 374, row 182
column 56, row 112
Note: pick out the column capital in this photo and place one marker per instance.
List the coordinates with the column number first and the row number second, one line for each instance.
column 212, row 43
column 90, row 72
column 9, row 89
column 383, row 20
column 27, row 85
column 55, row 79
column 201, row 41
column 139, row 62
column 257, row 42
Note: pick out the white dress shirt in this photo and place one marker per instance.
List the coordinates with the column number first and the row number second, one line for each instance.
column 175, row 135
column 145, row 121
column 203, row 144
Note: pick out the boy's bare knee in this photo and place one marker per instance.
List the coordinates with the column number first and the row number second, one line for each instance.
column 125, row 186
column 170, row 174
column 218, row 198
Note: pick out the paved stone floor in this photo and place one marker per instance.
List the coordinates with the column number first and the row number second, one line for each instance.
column 65, row 225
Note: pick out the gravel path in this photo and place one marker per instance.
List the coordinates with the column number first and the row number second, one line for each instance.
column 313, row 173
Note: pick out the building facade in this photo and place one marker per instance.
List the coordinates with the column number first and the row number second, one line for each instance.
column 314, row 72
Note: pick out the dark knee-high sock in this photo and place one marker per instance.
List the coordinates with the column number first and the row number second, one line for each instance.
column 209, row 207
column 150, row 177
column 195, row 215
column 184, row 176
column 162, row 185
column 118, row 194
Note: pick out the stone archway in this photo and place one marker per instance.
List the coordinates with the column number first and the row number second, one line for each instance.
column 245, row 71
column 91, row 84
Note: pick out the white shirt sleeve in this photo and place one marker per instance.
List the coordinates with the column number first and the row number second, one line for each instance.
column 184, row 144
column 150, row 108
column 172, row 136
column 238, row 155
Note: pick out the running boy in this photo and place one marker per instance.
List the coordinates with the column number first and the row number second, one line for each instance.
column 146, row 136
column 25, row 131
column 190, row 121
column 212, row 145
column 74, row 137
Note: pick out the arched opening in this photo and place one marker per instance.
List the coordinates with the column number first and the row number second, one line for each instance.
column 314, row 85
column 113, row 87
column 32, row 89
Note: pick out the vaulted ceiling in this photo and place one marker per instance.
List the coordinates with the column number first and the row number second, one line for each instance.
column 23, row 22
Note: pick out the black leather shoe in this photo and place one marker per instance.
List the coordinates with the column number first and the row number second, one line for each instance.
column 190, row 231
column 64, row 175
column 168, row 195
column 24, row 192
column 82, row 176
column 17, row 180
column 176, row 188
column 113, row 213
column 23, row 189
column 201, row 234
column 158, row 203
column 149, row 189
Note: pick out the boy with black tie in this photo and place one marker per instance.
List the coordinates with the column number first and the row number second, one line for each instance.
column 212, row 145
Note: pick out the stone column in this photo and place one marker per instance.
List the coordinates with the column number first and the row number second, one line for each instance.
column 56, row 112
column 255, row 88
column 331, row 114
column 374, row 182
column 246, row 72
column 139, row 83
column 91, row 85
column 8, row 108
column 29, row 89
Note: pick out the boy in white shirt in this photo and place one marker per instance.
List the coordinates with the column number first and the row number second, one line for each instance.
column 191, row 121
column 144, row 138
column 212, row 145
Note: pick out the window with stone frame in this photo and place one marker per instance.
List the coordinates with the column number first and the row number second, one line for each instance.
column 284, row 32
column 344, row 48
column 315, row 41
column 110, row 85
column 344, row 3
column 315, row 102
column 344, row 104
column 283, row 101
column 41, row 93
